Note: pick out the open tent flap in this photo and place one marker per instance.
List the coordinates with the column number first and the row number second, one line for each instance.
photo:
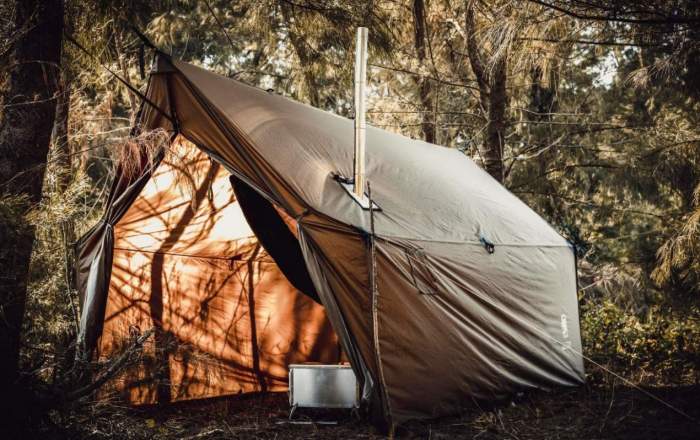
column 94, row 249
column 276, row 234
column 295, row 252
column 186, row 260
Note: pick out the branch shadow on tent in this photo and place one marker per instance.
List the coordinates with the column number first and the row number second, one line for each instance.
column 186, row 261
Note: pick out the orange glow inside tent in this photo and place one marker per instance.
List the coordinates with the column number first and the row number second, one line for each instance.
column 186, row 261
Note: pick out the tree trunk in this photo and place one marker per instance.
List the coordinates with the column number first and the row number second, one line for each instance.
column 492, row 97
column 306, row 58
column 306, row 61
column 424, row 85
column 496, row 126
column 25, row 133
column 60, row 151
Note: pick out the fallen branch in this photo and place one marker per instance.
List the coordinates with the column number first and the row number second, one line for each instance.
column 114, row 368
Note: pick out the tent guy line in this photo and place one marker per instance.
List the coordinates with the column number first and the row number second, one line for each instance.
column 126, row 83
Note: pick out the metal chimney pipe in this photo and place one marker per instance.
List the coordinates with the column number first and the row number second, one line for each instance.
column 360, row 104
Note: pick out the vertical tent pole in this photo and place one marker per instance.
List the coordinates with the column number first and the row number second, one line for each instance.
column 360, row 126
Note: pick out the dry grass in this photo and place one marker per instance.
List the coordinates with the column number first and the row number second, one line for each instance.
column 146, row 147
column 589, row 412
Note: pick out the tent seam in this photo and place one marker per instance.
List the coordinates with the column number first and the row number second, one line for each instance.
column 391, row 238
column 177, row 254
column 375, row 327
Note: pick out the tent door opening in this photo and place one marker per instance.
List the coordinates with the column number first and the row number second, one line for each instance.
column 187, row 262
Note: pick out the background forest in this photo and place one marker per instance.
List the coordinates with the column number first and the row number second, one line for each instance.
column 587, row 110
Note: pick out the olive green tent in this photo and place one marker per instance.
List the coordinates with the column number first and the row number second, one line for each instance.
column 451, row 290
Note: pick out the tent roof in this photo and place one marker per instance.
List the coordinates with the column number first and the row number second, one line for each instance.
column 426, row 192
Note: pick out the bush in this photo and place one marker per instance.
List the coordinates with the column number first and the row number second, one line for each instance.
column 661, row 347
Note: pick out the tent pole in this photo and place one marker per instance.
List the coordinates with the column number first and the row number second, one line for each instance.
column 360, row 107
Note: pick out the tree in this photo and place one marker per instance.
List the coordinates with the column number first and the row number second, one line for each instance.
column 420, row 30
column 29, row 105
column 492, row 92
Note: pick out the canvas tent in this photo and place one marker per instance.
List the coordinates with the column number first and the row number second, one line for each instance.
column 454, row 290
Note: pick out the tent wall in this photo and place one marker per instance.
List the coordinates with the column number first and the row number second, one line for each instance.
column 94, row 249
column 449, row 312
column 186, row 261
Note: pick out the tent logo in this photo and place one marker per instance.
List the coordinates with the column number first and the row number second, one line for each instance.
column 564, row 326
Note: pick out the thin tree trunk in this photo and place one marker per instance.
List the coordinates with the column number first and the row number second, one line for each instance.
column 61, row 154
column 305, row 57
column 165, row 340
column 496, row 127
column 25, row 133
column 424, row 85
column 254, row 344
column 492, row 97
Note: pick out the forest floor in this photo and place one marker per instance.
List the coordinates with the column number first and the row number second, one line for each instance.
column 589, row 412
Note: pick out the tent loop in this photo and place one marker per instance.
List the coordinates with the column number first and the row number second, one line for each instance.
column 303, row 214
column 488, row 244
column 338, row 177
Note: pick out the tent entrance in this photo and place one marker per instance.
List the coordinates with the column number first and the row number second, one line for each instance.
column 277, row 232
column 228, row 305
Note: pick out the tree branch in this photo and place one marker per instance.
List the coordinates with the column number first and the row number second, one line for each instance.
column 115, row 367
column 475, row 58
column 648, row 21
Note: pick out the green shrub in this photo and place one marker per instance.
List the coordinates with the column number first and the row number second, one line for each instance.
column 660, row 347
